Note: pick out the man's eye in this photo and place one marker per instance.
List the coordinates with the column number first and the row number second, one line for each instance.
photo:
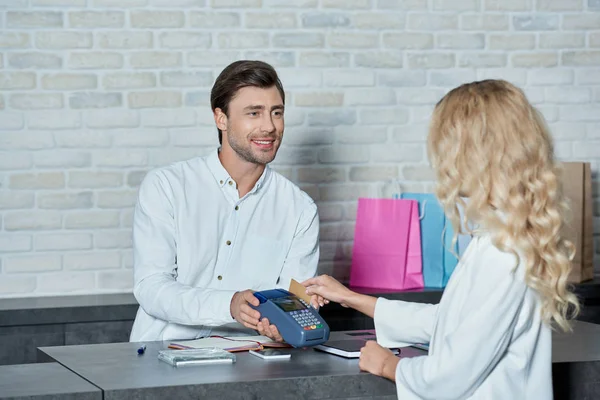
column 253, row 113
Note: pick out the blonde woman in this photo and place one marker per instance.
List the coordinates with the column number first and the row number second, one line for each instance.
column 490, row 335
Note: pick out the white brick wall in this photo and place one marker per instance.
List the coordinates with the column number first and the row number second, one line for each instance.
column 94, row 93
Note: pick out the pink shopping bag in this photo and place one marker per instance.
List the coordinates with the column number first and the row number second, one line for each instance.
column 387, row 245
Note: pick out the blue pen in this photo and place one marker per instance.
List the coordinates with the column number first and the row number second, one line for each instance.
column 142, row 349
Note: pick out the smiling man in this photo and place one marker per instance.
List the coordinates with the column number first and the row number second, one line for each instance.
column 209, row 231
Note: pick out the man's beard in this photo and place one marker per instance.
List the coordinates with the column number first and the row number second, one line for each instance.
column 245, row 151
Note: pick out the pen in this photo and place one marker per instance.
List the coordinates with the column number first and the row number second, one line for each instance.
column 142, row 349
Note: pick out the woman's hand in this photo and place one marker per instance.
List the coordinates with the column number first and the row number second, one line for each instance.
column 328, row 289
column 378, row 360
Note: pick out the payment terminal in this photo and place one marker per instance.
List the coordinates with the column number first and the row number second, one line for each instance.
column 300, row 325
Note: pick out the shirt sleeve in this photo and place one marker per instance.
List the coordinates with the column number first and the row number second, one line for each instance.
column 303, row 256
column 465, row 355
column 401, row 323
column 155, row 269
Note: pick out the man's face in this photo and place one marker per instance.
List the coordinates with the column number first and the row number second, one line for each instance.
column 254, row 126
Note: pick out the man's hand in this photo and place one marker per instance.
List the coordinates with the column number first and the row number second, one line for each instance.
column 268, row 330
column 242, row 312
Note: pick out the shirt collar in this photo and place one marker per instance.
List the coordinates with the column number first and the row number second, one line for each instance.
column 223, row 178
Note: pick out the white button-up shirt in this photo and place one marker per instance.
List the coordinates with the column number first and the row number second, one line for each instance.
column 196, row 243
column 487, row 339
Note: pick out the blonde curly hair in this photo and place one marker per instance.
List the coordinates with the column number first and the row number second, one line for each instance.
column 489, row 144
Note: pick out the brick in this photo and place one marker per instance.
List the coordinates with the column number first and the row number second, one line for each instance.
column 96, row 19
column 168, row 118
column 397, row 152
column 14, row 40
column 516, row 76
column 298, row 78
column 236, row 3
column 360, row 134
column 594, row 39
column 11, row 121
column 484, row 22
column 157, row 19
column 69, row 81
column 30, row 140
column 113, row 239
column 332, row 118
column 215, row 20
column 511, row 42
column 482, row 60
column 119, row 3
column 82, row 139
column 277, row 59
column 14, row 3
column 94, row 180
column 63, row 241
column 587, row 150
column 588, row 112
column 379, row 116
column 124, row 80
column 63, row 282
column 432, row 22
column 14, row 161
column 535, row 22
column 290, row 4
column 32, row 263
column 154, row 99
column 401, row 78
column 278, row 20
column 142, row 138
column 452, row 5
column 349, row 4
column 402, row 5
column 61, row 3
column 303, row 136
column 295, row 156
column 346, row 78
column 316, row 99
column 237, row 40
column 535, row 94
column 42, row 180
column 298, row 40
column 408, row 40
column 549, row 112
column 12, row 243
column 371, row 174
column 352, row 40
column 529, row 60
column 344, row 192
column 83, row 100
column 568, row 94
column 112, row 119
column 594, row 5
column 430, row 60
column 178, row 3
column 63, row 40
column 324, row 59
column 62, row 159
column 581, row 58
column 127, row 218
column 184, row 40
column 581, row 21
column 330, row 212
column 418, row 173
column 325, row 20
column 568, row 130
column 26, row 101
column 34, row 19
column 189, row 137
column 134, row 178
column 558, row 5
column 410, row 133
column 124, row 40
column 593, row 131
column 14, row 200
column 446, row 79
column 64, row 201
column 331, row 232
column 32, row 220
column 585, row 76
column 155, row 59
column 561, row 40
column 186, row 78
column 127, row 259
column 321, row 175
column 34, row 60
column 374, row 59
column 508, row 5
column 197, row 99
column 120, row 158
column 96, row 60
column 92, row 219
column 95, row 261
column 115, row 280
column 550, row 77
column 344, row 154
column 17, row 80
column 372, row 20
column 461, row 41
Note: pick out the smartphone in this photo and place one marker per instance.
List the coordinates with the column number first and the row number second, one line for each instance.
column 271, row 354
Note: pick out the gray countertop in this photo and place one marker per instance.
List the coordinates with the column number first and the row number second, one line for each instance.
column 48, row 381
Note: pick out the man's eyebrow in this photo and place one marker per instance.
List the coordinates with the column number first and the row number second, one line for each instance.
column 257, row 107
column 277, row 107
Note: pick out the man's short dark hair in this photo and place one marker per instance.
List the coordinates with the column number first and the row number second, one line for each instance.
column 240, row 74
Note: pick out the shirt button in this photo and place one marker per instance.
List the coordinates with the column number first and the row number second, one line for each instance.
column 230, row 183
column 228, row 242
column 220, row 277
column 236, row 208
column 221, row 182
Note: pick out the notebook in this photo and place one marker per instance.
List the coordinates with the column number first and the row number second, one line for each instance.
column 231, row 344
column 349, row 348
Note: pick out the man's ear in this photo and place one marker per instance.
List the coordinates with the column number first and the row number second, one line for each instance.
column 220, row 119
